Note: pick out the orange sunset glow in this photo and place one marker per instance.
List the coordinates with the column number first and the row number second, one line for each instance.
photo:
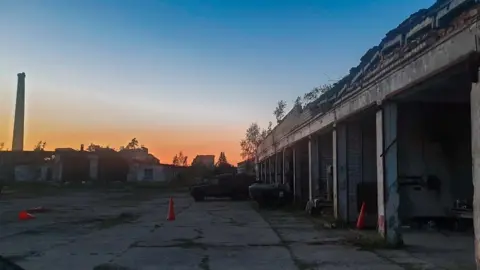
column 163, row 142
column 63, row 126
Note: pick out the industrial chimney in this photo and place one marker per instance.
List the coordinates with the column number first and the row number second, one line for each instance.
column 18, row 125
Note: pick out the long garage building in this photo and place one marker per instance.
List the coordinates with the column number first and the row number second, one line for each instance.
column 401, row 132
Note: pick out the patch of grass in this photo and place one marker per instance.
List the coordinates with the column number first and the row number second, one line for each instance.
column 303, row 265
column 204, row 264
column 369, row 242
column 122, row 218
column 21, row 257
column 188, row 243
column 40, row 189
column 27, row 190
column 110, row 266
column 133, row 197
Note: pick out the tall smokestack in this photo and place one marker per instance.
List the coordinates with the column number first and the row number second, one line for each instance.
column 18, row 125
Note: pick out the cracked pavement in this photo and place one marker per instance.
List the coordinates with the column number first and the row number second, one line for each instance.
column 113, row 231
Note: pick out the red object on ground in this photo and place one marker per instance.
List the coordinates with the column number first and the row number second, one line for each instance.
column 24, row 215
column 361, row 217
column 171, row 211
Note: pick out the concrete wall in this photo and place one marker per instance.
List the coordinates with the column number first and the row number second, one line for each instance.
column 325, row 151
column 354, row 167
column 301, row 165
column 433, row 139
column 369, row 156
column 160, row 173
column 357, row 165
column 31, row 172
column 93, row 167
column 341, row 171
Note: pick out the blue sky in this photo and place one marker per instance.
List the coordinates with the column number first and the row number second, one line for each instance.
column 180, row 63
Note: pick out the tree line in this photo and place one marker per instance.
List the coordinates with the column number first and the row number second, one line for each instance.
column 133, row 144
column 181, row 160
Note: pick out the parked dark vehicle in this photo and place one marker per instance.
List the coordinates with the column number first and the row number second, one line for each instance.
column 234, row 186
column 270, row 194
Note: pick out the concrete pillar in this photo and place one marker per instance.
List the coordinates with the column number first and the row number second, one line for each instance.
column 264, row 171
column 19, row 121
column 295, row 171
column 283, row 166
column 380, row 174
column 93, row 167
column 475, row 118
column 276, row 167
column 391, row 198
column 270, row 170
column 257, row 169
column 341, row 171
column 299, row 170
column 313, row 169
column 260, row 171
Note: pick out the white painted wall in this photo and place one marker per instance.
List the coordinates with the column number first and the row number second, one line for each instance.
column 161, row 173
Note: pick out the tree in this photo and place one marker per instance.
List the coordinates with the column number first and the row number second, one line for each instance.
column 298, row 102
column 2, row 145
column 253, row 137
column 279, row 111
column 176, row 161
column 184, row 161
column 96, row 148
column 265, row 132
column 40, row 146
column 222, row 159
column 133, row 144
column 93, row 147
column 316, row 93
column 222, row 166
column 180, row 160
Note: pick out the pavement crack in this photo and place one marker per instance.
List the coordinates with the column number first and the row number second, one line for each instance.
column 301, row 265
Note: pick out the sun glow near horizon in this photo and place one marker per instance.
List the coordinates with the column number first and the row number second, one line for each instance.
column 162, row 143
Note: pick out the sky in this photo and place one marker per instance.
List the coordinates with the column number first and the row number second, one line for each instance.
column 178, row 75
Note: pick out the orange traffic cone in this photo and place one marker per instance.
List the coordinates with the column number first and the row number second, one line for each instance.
column 361, row 217
column 24, row 215
column 171, row 211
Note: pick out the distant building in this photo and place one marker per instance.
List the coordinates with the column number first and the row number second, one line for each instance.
column 145, row 167
column 246, row 166
column 139, row 155
column 144, row 172
column 25, row 166
column 70, row 165
column 205, row 160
